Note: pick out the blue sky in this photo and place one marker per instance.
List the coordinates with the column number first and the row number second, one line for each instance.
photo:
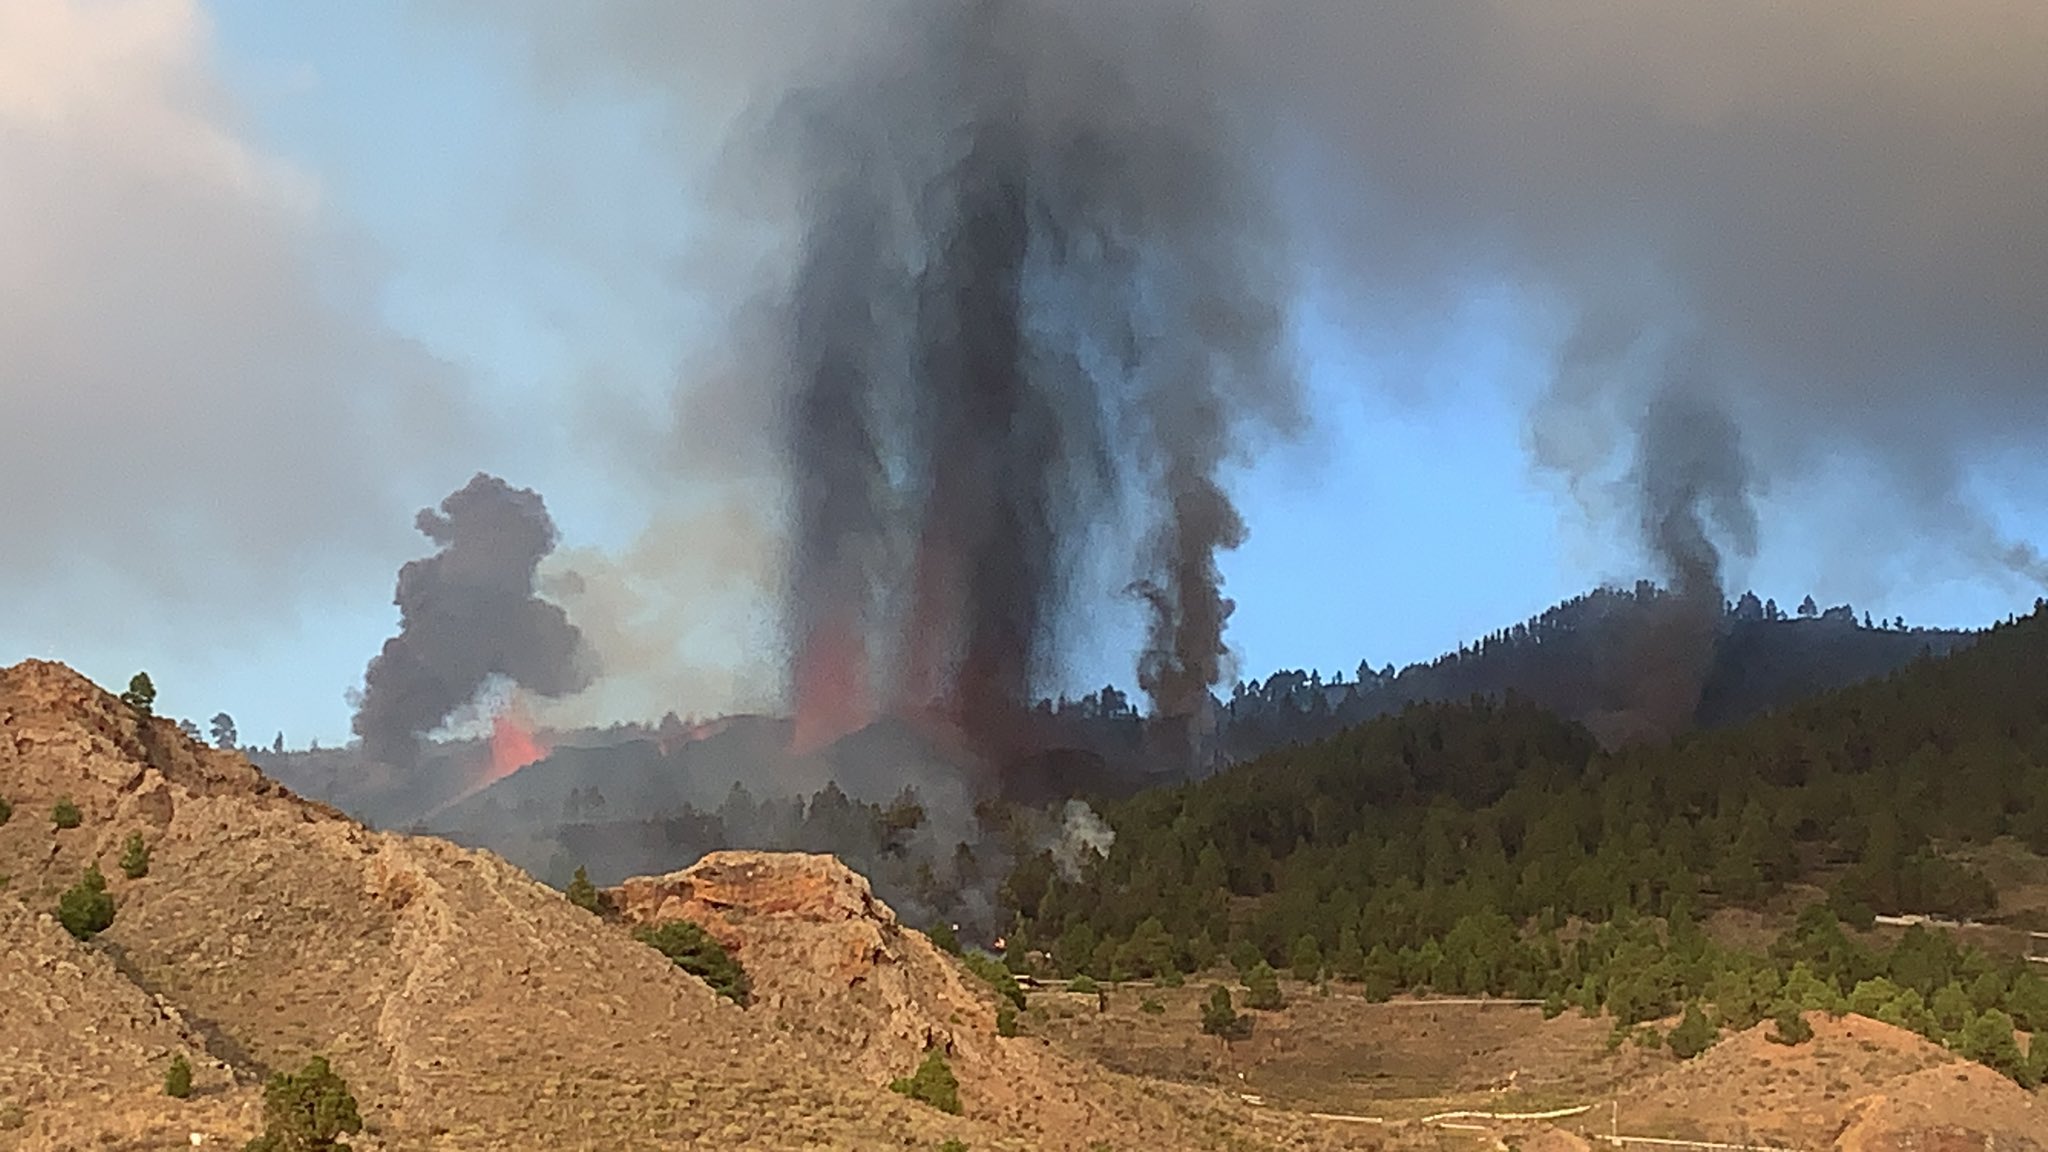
column 1408, row 518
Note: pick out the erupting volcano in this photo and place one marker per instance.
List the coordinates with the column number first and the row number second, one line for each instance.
column 1053, row 341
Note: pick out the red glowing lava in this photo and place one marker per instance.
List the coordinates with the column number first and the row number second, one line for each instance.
column 831, row 685
column 514, row 743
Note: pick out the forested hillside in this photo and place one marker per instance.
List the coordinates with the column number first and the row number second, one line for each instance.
column 1446, row 846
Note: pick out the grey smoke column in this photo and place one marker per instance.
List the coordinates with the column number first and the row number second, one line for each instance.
column 466, row 614
column 1036, row 293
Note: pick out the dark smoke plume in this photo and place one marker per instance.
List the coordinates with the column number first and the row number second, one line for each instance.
column 1054, row 303
column 1694, row 486
column 466, row 614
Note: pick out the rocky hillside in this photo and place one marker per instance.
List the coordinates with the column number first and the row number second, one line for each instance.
column 467, row 1005
column 829, row 960
column 1859, row 1085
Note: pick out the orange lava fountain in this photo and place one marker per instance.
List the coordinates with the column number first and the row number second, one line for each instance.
column 830, row 685
column 514, row 742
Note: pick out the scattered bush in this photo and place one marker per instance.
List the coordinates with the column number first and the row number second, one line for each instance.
column 583, row 894
column 178, row 1078
column 1694, row 1034
column 135, row 857
column 308, row 1111
column 1151, row 1007
column 6, row 810
column 1084, row 984
column 1006, row 1019
column 1262, row 988
column 1790, row 1027
column 141, row 694
column 695, row 951
column 952, row 1145
column 85, row 910
column 66, row 814
column 932, row 1084
column 996, row 975
column 948, row 941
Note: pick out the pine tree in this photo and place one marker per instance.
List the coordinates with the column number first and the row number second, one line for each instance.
column 178, row 1078
column 141, row 694
column 1219, row 1016
column 1694, row 1034
column 933, row 1083
column 85, row 910
column 1790, row 1027
column 1349, row 961
column 583, row 894
column 1262, row 988
column 1307, row 959
column 307, row 1111
column 695, row 951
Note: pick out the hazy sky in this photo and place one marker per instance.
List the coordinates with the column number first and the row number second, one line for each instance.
column 273, row 277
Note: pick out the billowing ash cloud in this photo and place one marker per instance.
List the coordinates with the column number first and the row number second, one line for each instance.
column 1035, row 285
column 467, row 614
column 1834, row 211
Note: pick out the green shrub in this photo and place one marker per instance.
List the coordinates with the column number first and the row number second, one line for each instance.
column 1262, row 988
column 695, row 951
column 1006, row 1019
column 85, row 909
column 583, row 894
column 1790, row 1027
column 66, row 814
column 178, row 1078
column 1151, row 1007
column 135, row 857
column 948, row 941
column 308, row 1111
column 952, row 1145
column 6, row 810
column 932, row 1084
column 996, row 975
column 1694, row 1034
column 1084, row 984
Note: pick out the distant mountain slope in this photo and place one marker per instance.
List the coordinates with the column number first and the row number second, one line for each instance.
column 1586, row 660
